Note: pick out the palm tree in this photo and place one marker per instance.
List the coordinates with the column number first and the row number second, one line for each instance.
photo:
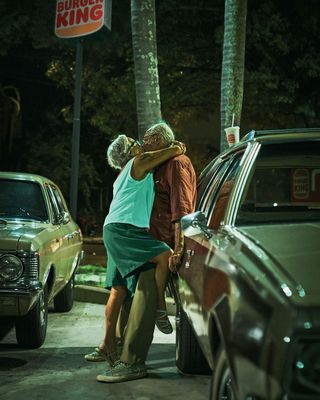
column 144, row 42
column 232, row 64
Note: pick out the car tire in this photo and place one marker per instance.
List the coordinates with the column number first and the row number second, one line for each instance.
column 31, row 329
column 189, row 356
column 63, row 302
column 221, row 383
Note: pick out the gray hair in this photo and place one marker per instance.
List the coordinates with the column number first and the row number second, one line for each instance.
column 117, row 153
column 163, row 130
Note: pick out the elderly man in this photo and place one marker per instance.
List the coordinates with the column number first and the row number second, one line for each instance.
column 175, row 196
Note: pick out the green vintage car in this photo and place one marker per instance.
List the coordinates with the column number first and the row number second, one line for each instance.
column 40, row 250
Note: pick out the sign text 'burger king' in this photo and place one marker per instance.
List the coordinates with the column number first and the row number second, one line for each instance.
column 76, row 18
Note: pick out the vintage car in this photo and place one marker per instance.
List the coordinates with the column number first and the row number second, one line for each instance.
column 248, row 289
column 40, row 249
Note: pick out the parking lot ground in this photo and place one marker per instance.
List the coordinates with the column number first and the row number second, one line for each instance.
column 58, row 371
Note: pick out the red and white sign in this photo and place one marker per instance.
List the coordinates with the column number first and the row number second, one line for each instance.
column 300, row 184
column 305, row 185
column 76, row 18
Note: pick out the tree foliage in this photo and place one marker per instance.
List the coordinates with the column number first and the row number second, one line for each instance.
column 282, row 64
column 282, row 69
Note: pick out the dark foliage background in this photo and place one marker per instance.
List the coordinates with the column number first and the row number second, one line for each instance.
column 282, row 72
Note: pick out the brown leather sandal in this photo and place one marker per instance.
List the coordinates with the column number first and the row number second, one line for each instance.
column 162, row 322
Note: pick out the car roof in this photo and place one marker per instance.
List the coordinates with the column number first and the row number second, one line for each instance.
column 282, row 135
column 267, row 136
column 24, row 176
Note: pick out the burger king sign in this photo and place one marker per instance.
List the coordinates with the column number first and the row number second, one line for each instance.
column 76, row 18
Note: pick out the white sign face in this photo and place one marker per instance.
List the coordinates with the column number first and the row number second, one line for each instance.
column 76, row 18
column 301, row 187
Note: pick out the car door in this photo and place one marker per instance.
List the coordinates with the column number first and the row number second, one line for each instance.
column 70, row 237
column 60, row 241
column 202, row 277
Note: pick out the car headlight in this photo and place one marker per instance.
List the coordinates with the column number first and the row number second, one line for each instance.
column 11, row 267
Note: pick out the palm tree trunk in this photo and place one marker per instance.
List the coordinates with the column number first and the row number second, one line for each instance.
column 144, row 42
column 232, row 64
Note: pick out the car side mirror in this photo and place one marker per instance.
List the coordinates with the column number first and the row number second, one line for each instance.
column 195, row 224
column 64, row 218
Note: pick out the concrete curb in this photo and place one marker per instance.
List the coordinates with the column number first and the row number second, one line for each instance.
column 97, row 295
column 91, row 294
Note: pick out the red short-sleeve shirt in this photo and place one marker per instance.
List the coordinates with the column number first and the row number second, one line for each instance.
column 175, row 196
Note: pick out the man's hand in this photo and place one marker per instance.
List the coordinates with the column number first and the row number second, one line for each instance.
column 175, row 261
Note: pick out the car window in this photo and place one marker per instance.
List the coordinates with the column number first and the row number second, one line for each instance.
column 208, row 184
column 22, row 199
column 283, row 186
column 220, row 199
column 54, row 205
column 58, row 199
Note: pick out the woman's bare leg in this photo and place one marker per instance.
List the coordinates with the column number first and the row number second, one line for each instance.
column 112, row 310
column 161, row 276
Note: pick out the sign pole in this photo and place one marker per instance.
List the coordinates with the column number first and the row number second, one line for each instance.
column 73, row 20
column 76, row 133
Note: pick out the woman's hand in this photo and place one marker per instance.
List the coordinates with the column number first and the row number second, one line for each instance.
column 147, row 161
column 179, row 144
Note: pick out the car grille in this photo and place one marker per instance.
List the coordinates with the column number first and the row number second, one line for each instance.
column 304, row 382
column 31, row 266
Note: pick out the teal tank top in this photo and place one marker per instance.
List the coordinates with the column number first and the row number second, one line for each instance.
column 132, row 200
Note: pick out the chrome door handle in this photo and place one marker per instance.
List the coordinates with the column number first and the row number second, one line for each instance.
column 190, row 253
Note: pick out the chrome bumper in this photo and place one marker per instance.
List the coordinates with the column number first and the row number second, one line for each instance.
column 17, row 301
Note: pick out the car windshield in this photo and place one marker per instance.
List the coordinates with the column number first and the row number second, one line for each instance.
column 284, row 185
column 22, row 200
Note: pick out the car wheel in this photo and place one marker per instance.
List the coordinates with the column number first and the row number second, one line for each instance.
column 31, row 329
column 221, row 383
column 189, row 356
column 63, row 302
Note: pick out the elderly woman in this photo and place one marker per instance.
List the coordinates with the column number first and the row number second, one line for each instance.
column 130, row 248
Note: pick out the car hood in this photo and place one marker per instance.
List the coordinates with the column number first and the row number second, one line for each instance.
column 13, row 233
column 295, row 251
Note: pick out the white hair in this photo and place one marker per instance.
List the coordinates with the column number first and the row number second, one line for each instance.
column 117, row 153
column 162, row 129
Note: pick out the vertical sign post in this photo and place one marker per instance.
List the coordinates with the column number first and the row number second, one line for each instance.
column 74, row 20
column 76, row 134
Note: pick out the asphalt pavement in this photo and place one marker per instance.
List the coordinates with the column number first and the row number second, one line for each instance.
column 58, row 370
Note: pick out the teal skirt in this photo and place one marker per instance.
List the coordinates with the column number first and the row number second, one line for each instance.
column 129, row 251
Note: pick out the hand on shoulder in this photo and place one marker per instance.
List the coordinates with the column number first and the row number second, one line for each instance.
column 179, row 144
